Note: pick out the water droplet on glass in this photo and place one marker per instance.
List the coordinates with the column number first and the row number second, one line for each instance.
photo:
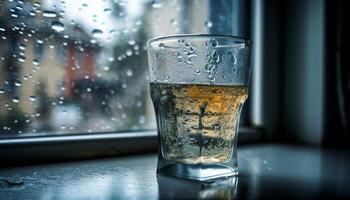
column 19, row 7
column 18, row 83
column 142, row 119
column 22, row 46
column 106, row 68
column 32, row 98
column 96, row 33
column 198, row 72
column 173, row 22
column 2, row 91
column 166, row 77
column 161, row 46
column 232, row 57
column 35, row 62
column 107, row 11
column 208, row 24
column 129, row 72
column 156, row 4
column 15, row 99
column 132, row 42
column 39, row 41
column 216, row 57
column 212, row 43
column 48, row 13
column 21, row 59
column 110, row 59
column 128, row 52
column 88, row 89
column 37, row 4
column 57, row 26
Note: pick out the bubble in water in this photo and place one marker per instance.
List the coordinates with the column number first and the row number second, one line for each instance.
column 198, row 72
column 208, row 24
column 161, row 46
column 106, row 68
column 96, row 33
column 49, row 14
column 15, row 99
column 129, row 72
column 2, row 91
column 156, row 4
column 57, row 26
column 32, row 98
column 18, row 83
column 88, row 89
column 128, row 52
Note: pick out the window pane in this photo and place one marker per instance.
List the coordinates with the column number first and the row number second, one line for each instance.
column 77, row 66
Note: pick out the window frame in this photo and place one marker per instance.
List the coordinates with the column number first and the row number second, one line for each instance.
column 26, row 150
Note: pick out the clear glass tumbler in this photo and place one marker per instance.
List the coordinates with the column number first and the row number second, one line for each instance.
column 198, row 86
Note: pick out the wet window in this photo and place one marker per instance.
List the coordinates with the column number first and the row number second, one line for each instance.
column 80, row 66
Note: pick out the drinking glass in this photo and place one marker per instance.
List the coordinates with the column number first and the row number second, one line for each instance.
column 198, row 86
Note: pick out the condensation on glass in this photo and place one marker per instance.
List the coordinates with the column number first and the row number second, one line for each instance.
column 78, row 66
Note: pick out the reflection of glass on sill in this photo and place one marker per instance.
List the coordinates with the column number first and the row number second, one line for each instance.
column 173, row 188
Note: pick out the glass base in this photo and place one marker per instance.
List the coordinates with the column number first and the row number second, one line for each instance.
column 197, row 172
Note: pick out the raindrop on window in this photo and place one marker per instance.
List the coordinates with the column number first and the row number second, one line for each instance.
column 21, row 59
column 132, row 42
column 208, row 24
column 57, row 26
column 173, row 22
column 15, row 99
column 18, row 83
column 49, row 14
column 129, row 72
column 156, row 4
column 128, row 52
column 32, row 98
column 96, row 33
column 107, row 10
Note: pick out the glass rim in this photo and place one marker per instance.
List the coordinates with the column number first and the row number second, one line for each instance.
column 242, row 39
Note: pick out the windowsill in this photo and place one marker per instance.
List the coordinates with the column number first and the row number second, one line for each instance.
column 266, row 171
column 34, row 149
